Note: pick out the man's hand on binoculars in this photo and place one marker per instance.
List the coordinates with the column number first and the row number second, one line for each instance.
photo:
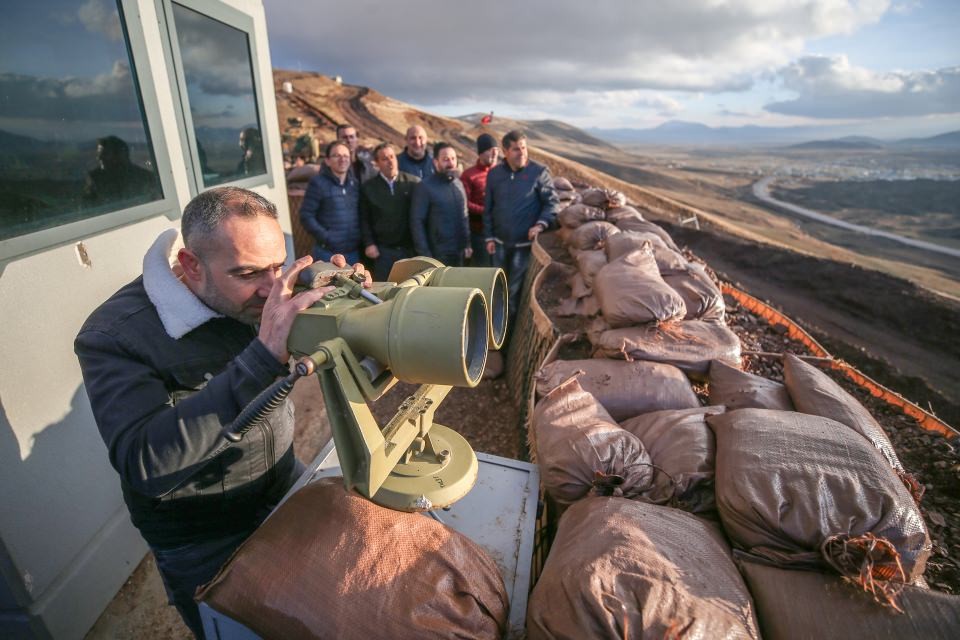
column 282, row 306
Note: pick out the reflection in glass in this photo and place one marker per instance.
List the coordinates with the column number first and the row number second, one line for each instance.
column 219, row 79
column 74, row 142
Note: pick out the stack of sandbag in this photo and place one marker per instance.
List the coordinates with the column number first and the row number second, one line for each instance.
column 630, row 291
column 803, row 491
column 330, row 564
column 581, row 450
column 689, row 345
column 566, row 194
column 736, row 389
column 812, row 604
column 624, row 569
column 624, row 389
column 683, row 449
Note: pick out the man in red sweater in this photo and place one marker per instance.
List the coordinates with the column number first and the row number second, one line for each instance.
column 475, row 184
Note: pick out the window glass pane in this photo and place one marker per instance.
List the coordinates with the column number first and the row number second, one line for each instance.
column 219, row 78
column 73, row 138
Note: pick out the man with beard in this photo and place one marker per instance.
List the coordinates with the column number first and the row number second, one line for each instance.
column 520, row 203
column 170, row 361
column 438, row 215
column 385, row 213
column 475, row 184
column 415, row 159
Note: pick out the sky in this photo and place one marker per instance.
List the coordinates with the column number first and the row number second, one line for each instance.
column 888, row 67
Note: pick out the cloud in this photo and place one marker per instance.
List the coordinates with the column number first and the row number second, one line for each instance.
column 102, row 18
column 216, row 58
column 832, row 88
column 105, row 97
column 431, row 52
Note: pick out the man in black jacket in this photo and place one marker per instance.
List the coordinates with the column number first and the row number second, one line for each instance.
column 520, row 203
column 172, row 358
column 438, row 216
column 385, row 213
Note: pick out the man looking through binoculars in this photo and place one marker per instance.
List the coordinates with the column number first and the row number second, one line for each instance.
column 172, row 358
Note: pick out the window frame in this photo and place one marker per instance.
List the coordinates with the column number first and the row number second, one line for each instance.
column 241, row 22
column 134, row 41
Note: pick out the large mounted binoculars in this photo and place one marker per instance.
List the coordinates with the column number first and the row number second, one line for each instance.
column 431, row 325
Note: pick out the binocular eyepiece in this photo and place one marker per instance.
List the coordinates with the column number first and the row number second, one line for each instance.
column 434, row 326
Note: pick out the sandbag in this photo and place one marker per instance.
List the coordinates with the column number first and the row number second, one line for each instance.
column 810, row 604
column 703, row 298
column 616, row 213
column 682, row 448
column 813, row 391
column 562, row 184
column 631, row 223
column 330, row 564
column 630, row 291
column 582, row 450
column 736, row 389
column 625, row 389
column 589, row 263
column 627, row 241
column 578, row 286
column 590, row 235
column 586, row 306
column 576, row 214
column 689, row 345
column 603, row 198
column 788, row 482
column 624, row 569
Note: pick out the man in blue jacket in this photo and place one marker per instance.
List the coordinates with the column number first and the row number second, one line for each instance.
column 330, row 208
column 172, row 358
column 520, row 203
column 438, row 214
column 415, row 158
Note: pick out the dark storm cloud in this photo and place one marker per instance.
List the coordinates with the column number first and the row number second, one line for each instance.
column 432, row 52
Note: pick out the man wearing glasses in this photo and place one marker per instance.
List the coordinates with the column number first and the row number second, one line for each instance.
column 330, row 208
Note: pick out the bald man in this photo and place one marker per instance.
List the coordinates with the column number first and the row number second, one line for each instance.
column 415, row 159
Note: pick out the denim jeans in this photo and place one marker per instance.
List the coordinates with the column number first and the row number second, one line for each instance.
column 450, row 259
column 480, row 256
column 324, row 254
column 514, row 261
column 187, row 566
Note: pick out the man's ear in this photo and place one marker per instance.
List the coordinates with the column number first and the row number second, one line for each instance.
column 190, row 262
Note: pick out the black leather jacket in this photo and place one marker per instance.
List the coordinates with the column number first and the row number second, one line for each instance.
column 160, row 404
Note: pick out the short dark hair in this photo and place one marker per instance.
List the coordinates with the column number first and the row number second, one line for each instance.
column 440, row 146
column 341, row 127
column 208, row 210
column 512, row 136
column 335, row 143
column 380, row 147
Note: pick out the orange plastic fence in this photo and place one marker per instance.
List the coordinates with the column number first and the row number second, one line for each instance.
column 874, row 388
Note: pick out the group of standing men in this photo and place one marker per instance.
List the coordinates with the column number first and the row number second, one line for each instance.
column 392, row 206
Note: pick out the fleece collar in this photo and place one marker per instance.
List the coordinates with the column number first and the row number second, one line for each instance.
column 179, row 309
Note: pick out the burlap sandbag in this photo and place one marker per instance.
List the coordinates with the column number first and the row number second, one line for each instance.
column 703, row 298
column 331, row 564
column 682, row 448
column 617, row 213
column 630, row 291
column 810, row 604
column 689, row 345
column 586, row 307
column 631, row 223
column 737, row 389
column 603, row 198
column 814, row 392
column 562, row 184
column 625, row 389
column 788, row 482
column 582, row 450
column 577, row 214
column 624, row 569
column 590, row 236
column 589, row 263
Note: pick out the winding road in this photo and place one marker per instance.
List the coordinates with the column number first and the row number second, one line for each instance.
column 761, row 189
